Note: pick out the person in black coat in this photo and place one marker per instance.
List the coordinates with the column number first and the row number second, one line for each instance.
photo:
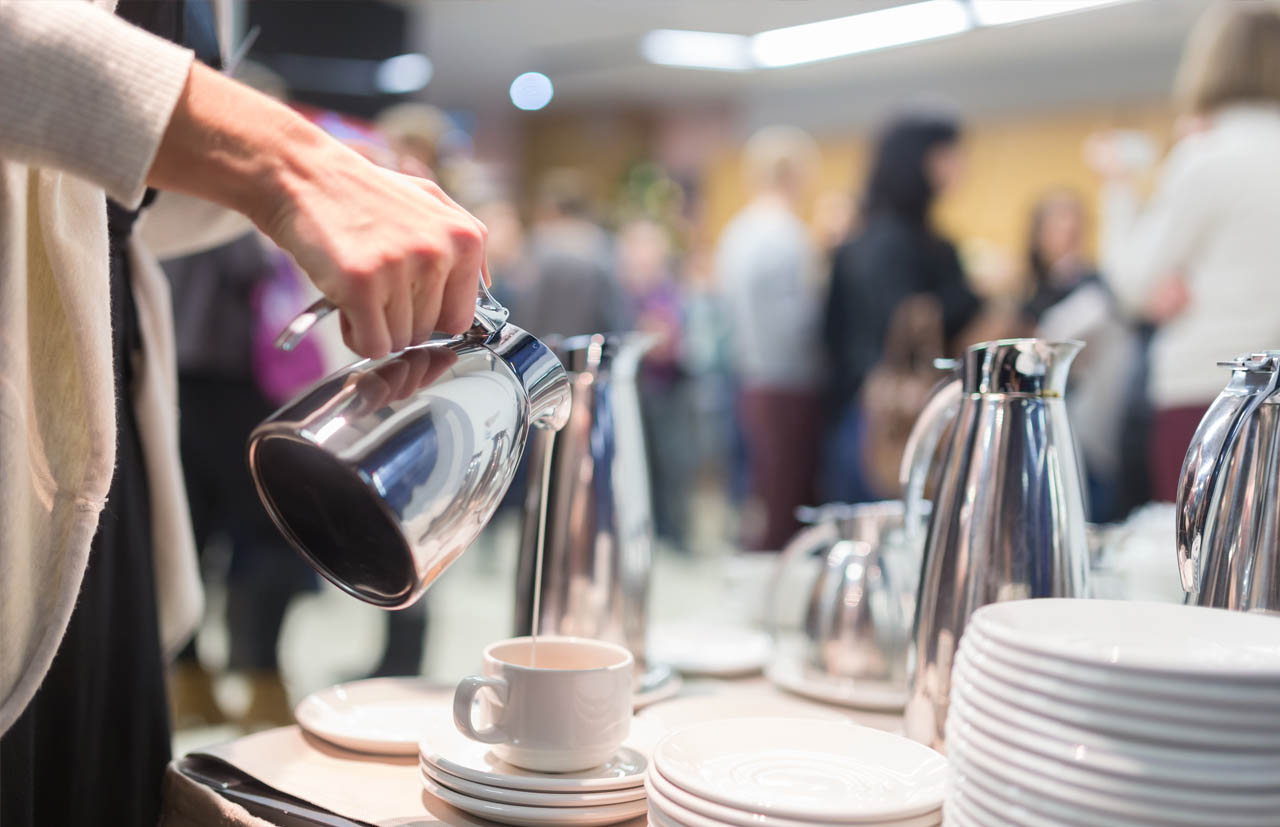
column 897, row 253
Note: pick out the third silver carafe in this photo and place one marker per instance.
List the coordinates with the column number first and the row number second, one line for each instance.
column 598, row 527
column 1008, row 515
column 1229, row 494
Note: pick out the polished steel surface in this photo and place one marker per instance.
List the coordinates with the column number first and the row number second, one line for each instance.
column 598, row 525
column 854, row 622
column 1229, row 494
column 857, row 620
column 1008, row 516
column 382, row 474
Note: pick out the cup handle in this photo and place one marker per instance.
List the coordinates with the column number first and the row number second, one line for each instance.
column 463, row 698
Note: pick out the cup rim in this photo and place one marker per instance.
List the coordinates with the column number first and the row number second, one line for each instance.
column 627, row 661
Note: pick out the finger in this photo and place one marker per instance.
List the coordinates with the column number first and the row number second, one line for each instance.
column 369, row 336
column 458, row 303
column 399, row 314
column 427, row 290
column 418, row 362
column 484, row 272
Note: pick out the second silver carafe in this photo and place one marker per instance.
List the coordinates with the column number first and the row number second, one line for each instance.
column 598, row 528
column 1008, row 515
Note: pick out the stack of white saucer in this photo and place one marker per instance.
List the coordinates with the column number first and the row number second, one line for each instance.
column 467, row 775
column 1094, row 712
column 789, row 772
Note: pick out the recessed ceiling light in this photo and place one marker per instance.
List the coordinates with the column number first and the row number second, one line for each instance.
column 531, row 91
column 866, row 32
column 404, row 73
column 697, row 50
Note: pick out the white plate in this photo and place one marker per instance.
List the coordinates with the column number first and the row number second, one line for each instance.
column 1189, row 773
column 1121, row 725
column 787, row 670
column 529, row 816
column 1219, row 693
column 1187, row 641
column 1227, row 767
column 1154, row 788
column 815, row 770
column 740, row 818
column 503, row 795
column 448, row 750
column 712, row 649
column 1057, row 799
column 384, row 716
column 734, row 703
column 1010, row 667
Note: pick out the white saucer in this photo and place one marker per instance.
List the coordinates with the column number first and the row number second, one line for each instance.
column 813, row 770
column 668, row 797
column 711, row 649
column 1145, row 638
column 448, row 750
column 788, row 671
column 593, row 816
column 384, row 716
column 504, row 795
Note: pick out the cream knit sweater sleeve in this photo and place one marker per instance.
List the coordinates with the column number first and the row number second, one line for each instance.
column 85, row 92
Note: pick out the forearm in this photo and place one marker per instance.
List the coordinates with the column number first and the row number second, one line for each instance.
column 231, row 145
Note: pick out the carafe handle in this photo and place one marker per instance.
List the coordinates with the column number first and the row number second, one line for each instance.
column 917, row 457
column 490, row 317
column 809, row 539
column 1253, row 379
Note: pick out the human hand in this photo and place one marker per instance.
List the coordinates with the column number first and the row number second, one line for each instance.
column 398, row 378
column 395, row 254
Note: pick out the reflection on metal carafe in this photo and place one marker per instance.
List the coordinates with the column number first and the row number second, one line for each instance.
column 1008, row 516
column 598, row 529
column 1229, row 493
column 382, row 474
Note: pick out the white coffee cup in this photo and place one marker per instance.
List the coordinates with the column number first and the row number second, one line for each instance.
column 571, row 711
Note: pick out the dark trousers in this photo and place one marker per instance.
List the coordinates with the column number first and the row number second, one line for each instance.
column 781, row 429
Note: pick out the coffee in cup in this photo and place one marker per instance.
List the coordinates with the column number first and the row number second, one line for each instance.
column 560, row 705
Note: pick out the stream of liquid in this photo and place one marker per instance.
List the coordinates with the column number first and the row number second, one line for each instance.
column 542, row 542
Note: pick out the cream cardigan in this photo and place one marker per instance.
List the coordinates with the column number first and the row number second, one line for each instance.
column 84, row 101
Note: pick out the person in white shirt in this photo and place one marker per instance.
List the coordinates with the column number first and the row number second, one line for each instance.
column 766, row 265
column 1200, row 258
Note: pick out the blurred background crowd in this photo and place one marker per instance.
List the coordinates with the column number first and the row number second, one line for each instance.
column 805, row 209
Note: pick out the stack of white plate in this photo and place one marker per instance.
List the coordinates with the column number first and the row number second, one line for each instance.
column 1095, row 712
column 793, row 772
column 467, row 775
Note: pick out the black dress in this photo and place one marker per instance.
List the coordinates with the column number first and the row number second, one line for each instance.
column 92, row 745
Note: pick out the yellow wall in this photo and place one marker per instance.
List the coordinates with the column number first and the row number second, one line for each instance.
column 1011, row 161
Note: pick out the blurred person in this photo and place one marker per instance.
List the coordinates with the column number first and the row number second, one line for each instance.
column 576, row 288
column 97, row 113
column 766, row 265
column 415, row 132
column 214, row 298
column 896, row 255
column 655, row 307
column 1199, row 259
column 1070, row 300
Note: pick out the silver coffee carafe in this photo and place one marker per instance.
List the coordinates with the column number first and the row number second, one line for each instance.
column 1008, row 515
column 597, row 523
column 1228, row 520
column 384, row 472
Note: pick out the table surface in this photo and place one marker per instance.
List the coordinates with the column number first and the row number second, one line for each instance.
column 378, row 790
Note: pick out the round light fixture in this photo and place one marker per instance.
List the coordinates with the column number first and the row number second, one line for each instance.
column 531, row 91
column 404, row 73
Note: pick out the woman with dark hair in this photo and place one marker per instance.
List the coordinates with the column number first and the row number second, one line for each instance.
column 898, row 254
